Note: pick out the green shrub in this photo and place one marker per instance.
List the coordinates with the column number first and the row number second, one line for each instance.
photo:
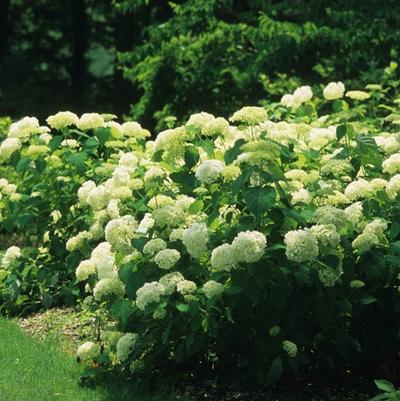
column 261, row 247
column 218, row 55
column 42, row 169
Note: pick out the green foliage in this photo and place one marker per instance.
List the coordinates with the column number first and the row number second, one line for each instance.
column 38, row 205
column 255, row 249
column 218, row 55
column 389, row 391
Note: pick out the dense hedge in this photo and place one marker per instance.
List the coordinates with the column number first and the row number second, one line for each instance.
column 252, row 248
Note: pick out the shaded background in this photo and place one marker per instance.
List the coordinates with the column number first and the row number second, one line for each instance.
column 151, row 59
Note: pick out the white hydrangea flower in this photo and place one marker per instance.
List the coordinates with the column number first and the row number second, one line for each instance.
column 231, row 172
column 358, row 189
column 154, row 174
column 104, row 260
column 113, row 209
column 70, row 143
column 388, row 143
column 186, row 287
column 145, row 224
column 88, row 350
column 10, row 189
column 301, row 196
column 99, row 197
column 116, row 129
column 84, row 191
column 8, row 147
column 149, row 293
column 301, row 246
column 358, row 95
column 23, row 128
column 303, row 94
column 78, row 241
column 160, row 201
column 212, row 289
column 391, row 165
column 326, row 235
column 125, row 345
column 195, row 238
column 378, row 183
column 249, row 246
column 209, row 171
column 250, row 115
column 176, row 234
column 90, row 121
column 46, row 138
column 167, row 258
column 289, row 100
column 154, row 246
column 62, row 119
column 121, row 177
column 134, row 130
column 12, row 253
column 128, row 160
column 354, row 213
column 372, row 235
column 393, row 187
column 120, row 232
column 198, row 120
column 85, row 269
column 184, row 201
column 170, row 282
column 334, row 90
column 215, row 127
column 107, row 286
column 223, row 257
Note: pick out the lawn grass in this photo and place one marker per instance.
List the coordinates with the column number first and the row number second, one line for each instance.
column 41, row 366
column 33, row 370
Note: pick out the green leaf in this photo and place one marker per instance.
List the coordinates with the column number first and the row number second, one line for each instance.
column 40, row 165
column 182, row 308
column 340, row 132
column 191, row 157
column 208, row 146
column 122, row 310
column 233, row 290
column 368, row 150
column 91, row 144
column 232, row 153
column 47, row 300
column 368, row 299
column 204, row 324
column 275, row 370
column 55, row 142
column 103, row 134
column 22, row 165
column 394, row 230
column 196, row 207
column 384, row 385
column 259, row 200
column 185, row 179
column 133, row 280
column 15, row 158
column 78, row 159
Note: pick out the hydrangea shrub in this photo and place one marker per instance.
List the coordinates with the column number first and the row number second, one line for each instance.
column 42, row 168
column 260, row 245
